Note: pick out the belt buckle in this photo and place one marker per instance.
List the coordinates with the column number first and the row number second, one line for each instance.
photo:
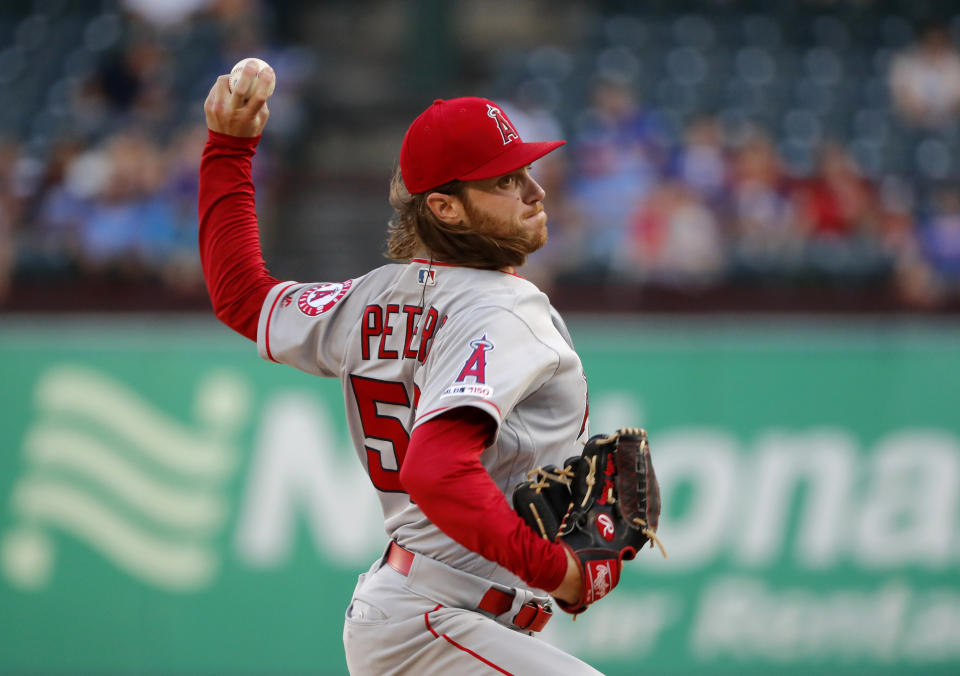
column 533, row 616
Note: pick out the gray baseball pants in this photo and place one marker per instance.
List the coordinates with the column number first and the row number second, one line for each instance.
column 426, row 622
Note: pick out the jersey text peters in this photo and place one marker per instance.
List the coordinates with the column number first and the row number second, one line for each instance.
column 391, row 331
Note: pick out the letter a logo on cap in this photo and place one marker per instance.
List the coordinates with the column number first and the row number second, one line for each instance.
column 507, row 132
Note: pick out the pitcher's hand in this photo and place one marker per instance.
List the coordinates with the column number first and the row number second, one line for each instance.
column 244, row 111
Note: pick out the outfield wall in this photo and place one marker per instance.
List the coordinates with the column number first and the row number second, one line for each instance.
column 170, row 504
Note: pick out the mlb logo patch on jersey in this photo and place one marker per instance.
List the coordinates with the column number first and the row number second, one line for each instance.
column 427, row 276
column 465, row 390
column 320, row 298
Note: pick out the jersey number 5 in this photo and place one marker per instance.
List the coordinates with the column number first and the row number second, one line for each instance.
column 369, row 393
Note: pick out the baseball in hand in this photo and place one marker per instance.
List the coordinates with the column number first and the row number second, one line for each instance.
column 238, row 69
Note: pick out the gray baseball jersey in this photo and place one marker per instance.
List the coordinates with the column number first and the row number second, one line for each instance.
column 410, row 341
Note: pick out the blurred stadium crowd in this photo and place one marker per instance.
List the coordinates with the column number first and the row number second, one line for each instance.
column 804, row 149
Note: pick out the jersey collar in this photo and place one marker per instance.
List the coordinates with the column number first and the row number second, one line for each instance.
column 440, row 264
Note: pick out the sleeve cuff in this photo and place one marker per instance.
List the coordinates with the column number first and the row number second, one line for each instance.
column 266, row 317
column 550, row 575
column 487, row 407
column 218, row 139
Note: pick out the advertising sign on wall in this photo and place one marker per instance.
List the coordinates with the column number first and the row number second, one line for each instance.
column 169, row 504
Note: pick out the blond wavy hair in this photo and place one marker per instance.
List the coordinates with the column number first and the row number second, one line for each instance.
column 414, row 230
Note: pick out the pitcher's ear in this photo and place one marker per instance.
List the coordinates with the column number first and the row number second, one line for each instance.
column 447, row 208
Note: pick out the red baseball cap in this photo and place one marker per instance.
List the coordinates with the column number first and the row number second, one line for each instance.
column 468, row 138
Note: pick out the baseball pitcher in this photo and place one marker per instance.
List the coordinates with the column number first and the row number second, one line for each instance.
column 465, row 400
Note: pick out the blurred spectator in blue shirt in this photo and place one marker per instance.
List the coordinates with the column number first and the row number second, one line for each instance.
column 702, row 160
column 940, row 237
column 619, row 156
column 762, row 219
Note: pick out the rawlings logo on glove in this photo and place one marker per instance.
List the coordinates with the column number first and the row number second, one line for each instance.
column 603, row 506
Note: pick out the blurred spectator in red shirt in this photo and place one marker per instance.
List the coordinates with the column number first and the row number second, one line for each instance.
column 839, row 212
column 838, row 201
column 676, row 239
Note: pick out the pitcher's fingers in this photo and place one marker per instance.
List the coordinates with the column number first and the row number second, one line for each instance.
column 245, row 84
column 267, row 78
column 219, row 88
column 262, row 89
column 219, row 93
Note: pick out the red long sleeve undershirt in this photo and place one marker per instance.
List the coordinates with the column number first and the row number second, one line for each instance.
column 441, row 470
column 443, row 475
column 237, row 279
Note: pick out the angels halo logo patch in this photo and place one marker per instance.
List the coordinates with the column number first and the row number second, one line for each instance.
column 319, row 298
